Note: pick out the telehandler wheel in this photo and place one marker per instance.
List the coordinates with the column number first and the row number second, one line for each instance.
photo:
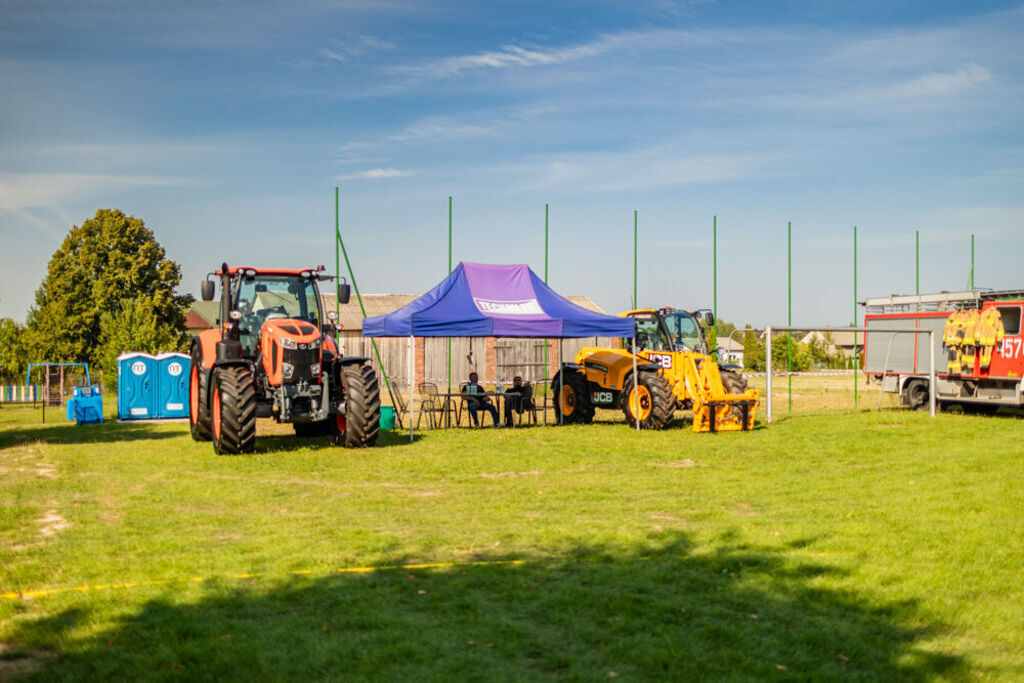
column 734, row 382
column 199, row 405
column 233, row 411
column 572, row 398
column 360, row 425
column 652, row 399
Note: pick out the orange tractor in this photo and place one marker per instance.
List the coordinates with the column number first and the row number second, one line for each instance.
column 270, row 356
column 674, row 370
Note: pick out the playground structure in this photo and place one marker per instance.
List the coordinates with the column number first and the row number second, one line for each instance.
column 58, row 381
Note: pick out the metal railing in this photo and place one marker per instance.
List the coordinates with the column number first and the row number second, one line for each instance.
column 892, row 332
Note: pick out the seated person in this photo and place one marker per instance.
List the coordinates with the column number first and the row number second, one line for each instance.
column 518, row 397
column 475, row 403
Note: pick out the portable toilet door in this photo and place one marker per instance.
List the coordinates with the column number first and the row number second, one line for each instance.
column 136, row 386
column 172, row 395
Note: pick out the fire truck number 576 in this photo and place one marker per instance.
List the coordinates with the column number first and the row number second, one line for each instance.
column 1011, row 348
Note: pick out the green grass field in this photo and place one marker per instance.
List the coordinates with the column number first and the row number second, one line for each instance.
column 854, row 545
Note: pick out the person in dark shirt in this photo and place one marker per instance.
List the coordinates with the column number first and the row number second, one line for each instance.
column 517, row 398
column 475, row 403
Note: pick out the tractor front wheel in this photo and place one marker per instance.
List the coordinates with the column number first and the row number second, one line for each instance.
column 360, row 425
column 650, row 400
column 233, row 411
column 572, row 398
column 199, row 405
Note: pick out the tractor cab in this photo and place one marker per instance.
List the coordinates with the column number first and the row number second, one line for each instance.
column 668, row 329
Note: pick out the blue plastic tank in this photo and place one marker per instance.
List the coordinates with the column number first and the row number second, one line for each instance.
column 88, row 405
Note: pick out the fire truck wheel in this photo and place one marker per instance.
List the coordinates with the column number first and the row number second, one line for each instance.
column 917, row 395
column 199, row 405
column 233, row 411
column 360, row 425
column 572, row 398
column 651, row 400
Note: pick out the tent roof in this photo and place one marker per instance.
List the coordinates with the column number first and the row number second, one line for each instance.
column 482, row 300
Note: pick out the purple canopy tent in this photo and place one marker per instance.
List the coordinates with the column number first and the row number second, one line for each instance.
column 483, row 300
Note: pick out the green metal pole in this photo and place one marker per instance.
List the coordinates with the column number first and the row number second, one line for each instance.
column 373, row 342
column 337, row 256
column 546, row 348
column 714, row 279
column 789, row 294
column 855, row 316
column 970, row 283
column 917, row 266
column 449, row 272
column 635, row 302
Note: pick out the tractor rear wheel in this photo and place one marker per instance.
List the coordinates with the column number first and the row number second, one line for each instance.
column 652, row 401
column 734, row 382
column 360, row 425
column 572, row 398
column 199, row 405
column 233, row 411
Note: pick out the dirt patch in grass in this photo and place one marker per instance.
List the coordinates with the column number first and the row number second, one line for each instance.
column 51, row 523
column 680, row 464
column 506, row 475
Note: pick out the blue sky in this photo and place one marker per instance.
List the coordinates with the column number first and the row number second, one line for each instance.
column 226, row 126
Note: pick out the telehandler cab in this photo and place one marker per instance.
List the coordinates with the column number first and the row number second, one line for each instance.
column 270, row 356
column 674, row 370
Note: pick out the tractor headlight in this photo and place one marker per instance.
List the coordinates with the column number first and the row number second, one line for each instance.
column 287, row 370
column 288, row 343
column 314, row 369
column 315, row 344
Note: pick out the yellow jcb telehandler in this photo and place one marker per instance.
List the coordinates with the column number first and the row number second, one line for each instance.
column 674, row 370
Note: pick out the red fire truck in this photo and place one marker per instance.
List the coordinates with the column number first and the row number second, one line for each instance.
column 901, row 361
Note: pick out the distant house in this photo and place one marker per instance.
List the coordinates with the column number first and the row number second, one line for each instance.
column 730, row 351
column 839, row 342
column 202, row 316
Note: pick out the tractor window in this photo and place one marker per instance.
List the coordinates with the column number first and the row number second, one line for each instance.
column 649, row 334
column 684, row 332
column 267, row 297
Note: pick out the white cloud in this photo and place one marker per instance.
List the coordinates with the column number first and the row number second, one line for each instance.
column 376, row 174
column 32, row 190
column 354, row 47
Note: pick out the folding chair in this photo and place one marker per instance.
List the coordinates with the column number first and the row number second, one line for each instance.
column 433, row 404
column 400, row 407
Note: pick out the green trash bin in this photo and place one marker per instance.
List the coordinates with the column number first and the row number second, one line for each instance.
column 387, row 417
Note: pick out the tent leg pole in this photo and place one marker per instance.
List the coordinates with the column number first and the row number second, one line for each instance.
column 561, row 418
column 636, row 387
column 412, row 383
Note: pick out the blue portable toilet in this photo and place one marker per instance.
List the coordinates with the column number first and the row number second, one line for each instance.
column 172, row 394
column 88, row 405
column 137, row 384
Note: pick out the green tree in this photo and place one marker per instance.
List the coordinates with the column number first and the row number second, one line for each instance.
column 133, row 327
column 111, row 256
column 13, row 352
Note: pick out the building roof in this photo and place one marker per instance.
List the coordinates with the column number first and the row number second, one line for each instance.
column 840, row 338
column 729, row 344
column 202, row 315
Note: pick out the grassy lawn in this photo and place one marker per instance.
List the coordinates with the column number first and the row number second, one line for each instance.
column 854, row 545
